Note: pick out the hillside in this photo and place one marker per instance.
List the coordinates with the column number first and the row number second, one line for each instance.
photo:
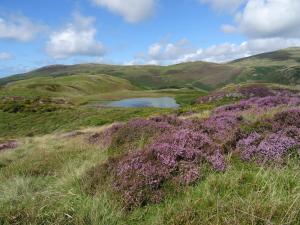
column 66, row 86
column 285, row 57
column 197, row 75
column 213, row 162
column 281, row 67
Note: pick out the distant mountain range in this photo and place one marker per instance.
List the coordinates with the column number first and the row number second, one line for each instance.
column 282, row 67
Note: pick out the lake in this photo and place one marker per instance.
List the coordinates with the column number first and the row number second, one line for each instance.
column 164, row 102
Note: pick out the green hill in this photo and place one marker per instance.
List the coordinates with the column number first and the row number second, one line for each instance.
column 196, row 75
column 282, row 67
column 67, row 86
column 284, row 57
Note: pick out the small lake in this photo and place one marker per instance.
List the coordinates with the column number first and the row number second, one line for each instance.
column 164, row 102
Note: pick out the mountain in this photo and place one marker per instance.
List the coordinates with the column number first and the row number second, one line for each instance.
column 198, row 74
column 284, row 57
column 281, row 67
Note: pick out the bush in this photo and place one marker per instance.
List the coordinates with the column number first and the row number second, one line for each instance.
column 178, row 149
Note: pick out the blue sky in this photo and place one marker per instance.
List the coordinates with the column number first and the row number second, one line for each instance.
column 35, row 33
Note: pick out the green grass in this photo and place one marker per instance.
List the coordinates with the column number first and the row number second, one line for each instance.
column 196, row 75
column 41, row 183
column 285, row 57
column 30, row 124
column 66, row 86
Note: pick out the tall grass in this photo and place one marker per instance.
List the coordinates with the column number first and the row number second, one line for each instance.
column 245, row 194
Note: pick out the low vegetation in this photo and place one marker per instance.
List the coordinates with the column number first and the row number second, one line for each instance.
column 229, row 155
column 236, row 164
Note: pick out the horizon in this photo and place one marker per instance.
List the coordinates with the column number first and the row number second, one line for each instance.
column 154, row 32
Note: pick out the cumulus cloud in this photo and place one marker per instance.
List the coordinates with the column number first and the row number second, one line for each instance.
column 168, row 51
column 224, row 5
column 133, row 11
column 78, row 38
column 5, row 56
column 18, row 27
column 270, row 18
column 159, row 54
column 267, row 19
column 267, row 24
column 227, row 51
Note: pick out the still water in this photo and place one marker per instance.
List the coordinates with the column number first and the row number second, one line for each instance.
column 164, row 102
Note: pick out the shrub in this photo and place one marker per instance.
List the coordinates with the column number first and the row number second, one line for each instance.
column 177, row 149
column 271, row 147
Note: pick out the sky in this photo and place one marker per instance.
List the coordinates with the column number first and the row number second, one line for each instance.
column 35, row 33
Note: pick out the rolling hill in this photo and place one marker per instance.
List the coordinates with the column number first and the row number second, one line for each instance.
column 197, row 74
column 284, row 57
column 67, row 86
column 282, row 67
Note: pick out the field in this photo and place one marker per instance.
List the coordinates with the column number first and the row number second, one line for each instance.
column 228, row 155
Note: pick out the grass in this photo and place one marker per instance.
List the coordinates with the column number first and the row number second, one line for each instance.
column 41, row 183
column 66, row 86
column 29, row 124
column 33, row 118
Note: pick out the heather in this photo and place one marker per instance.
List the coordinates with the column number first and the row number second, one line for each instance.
column 243, row 92
column 137, row 132
column 180, row 149
column 236, row 164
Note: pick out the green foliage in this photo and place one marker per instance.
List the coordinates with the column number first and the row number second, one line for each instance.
column 30, row 124
column 245, row 194
column 258, row 126
column 35, row 105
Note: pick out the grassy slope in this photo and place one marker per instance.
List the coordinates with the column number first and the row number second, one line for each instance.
column 14, row 125
column 79, row 89
column 41, row 183
column 66, row 86
column 282, row 67
column 285, row 57
column 198, row 75
column 279, row 67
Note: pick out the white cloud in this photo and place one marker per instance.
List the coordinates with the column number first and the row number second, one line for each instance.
column 224, row 5
column 268, row 19
column 5, row 56
column 227, row 51
column 168, row 51
column 77, row 38
column 226, row 28
column 217, row 53
column 267, row 24
column 18, row 27
column 133, row 11
column 154, row 49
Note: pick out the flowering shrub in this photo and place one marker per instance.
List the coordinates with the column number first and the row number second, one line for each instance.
column 177, row 149
column 127, row 136
column 272, row 147
column 221, row 127
column 255, row 91
column 287, row 118
column 274, row 143
column 175, row 156
column 245, row 92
